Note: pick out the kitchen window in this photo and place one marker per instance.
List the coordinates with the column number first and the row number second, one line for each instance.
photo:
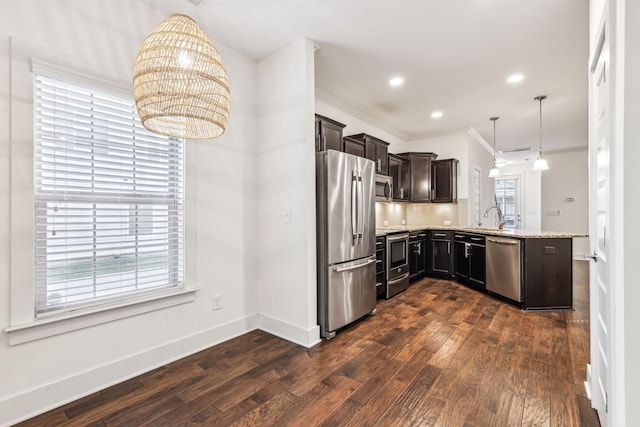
column 108, row 201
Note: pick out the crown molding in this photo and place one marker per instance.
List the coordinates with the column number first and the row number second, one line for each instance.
column 480, row 140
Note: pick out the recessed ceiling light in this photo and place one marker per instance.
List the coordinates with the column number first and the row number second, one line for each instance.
column 396, row 81
column 436, row 114
column 515, row 78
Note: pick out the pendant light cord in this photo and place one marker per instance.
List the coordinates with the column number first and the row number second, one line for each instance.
column 540, row 99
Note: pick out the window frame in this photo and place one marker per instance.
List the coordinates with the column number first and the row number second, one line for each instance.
column 26, row 60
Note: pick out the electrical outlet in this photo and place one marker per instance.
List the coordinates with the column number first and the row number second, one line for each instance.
column 217, row 303
column 286, row 215
column 447, row 222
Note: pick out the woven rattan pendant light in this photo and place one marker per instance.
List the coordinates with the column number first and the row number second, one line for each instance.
column 179, row 82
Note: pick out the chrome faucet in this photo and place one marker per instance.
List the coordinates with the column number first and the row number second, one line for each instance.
column 500, row 215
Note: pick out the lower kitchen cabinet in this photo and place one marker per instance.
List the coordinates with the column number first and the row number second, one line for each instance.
column 440, row 253
column 548, row 273
column 417, row 255
column 381, row 269
column 469, row 259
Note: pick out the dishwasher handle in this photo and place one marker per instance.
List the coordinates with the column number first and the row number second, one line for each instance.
column 504, row 242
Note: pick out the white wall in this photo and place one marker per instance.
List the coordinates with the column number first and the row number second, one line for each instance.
column 356, row 125
column 221, row 216
column 567, row 178
column 286, row 182
column 479, row 157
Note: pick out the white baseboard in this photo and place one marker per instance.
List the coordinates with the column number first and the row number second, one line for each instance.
column 49, row 396
column 579, row 256
column 288, row 331
column 587, row 383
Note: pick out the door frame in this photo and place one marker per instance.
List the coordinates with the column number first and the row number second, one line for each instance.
column 520, row 201
column 608, row 30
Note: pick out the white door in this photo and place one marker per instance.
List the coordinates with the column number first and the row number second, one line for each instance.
column 507, row 190
column 599, row 188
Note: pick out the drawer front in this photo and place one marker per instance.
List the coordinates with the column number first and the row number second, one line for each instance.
column 441, row 235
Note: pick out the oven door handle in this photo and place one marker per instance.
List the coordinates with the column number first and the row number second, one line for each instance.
column 354, row 267
column 404, row 276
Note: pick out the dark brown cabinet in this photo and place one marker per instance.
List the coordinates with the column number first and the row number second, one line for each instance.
column 548, row 273
column 353, row 146
column 440, row 253
column 399, row 171
column 417, row 254
column 328, row 134
column 375, row 149
column 419, row 175
column 444, row 181
column 469, row 255
column 381, row 266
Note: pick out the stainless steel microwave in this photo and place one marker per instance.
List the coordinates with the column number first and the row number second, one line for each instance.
column 384, row 188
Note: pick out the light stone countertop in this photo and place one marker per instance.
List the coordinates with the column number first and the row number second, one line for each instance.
column 522, row 234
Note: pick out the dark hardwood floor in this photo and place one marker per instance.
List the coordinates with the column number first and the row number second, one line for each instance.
column 438, row 354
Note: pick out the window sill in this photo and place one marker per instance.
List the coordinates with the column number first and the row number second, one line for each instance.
column 26, row 332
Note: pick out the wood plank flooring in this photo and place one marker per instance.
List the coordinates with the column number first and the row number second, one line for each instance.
column 439, row 354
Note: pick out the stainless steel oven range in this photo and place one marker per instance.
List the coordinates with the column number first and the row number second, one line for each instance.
column 397, row 263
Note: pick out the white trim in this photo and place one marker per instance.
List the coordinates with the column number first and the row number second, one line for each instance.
column 288, row 331
column 30, row 403
column 38, row 329
column 480, row 140
column 22, row 324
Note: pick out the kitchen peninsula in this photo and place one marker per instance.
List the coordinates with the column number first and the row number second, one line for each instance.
column 541, row 264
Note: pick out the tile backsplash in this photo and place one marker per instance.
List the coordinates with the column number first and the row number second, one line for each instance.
column 421, row 213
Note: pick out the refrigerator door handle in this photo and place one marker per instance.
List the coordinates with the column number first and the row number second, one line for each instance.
column 353, row 267
column 360, row 207
column 354, row 208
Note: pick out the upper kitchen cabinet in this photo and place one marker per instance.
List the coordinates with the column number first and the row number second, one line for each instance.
column 399, row 171
column 444, row 181
column 419, row 175
column 353, row 146
column 328, row 134
column 375, row 149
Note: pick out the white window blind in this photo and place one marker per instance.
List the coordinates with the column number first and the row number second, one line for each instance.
column 108, row 201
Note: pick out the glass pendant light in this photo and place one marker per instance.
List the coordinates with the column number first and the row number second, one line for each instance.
column 494, row 172
column 540, row 164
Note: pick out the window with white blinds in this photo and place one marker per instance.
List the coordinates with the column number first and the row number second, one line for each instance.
column 108, row 201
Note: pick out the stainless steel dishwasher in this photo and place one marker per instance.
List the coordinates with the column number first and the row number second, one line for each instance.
column 503, row 267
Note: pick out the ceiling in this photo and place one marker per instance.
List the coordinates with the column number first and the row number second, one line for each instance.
column 454, row 56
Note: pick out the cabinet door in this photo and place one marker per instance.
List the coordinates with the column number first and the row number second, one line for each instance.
column 370, row 150
column 441, row 251
column 414, row 251
column 477, row 265
column 399, row 171
column 382, row 160
column 444, row 180
column 353, row 147
column 420, row 178
column 461, row 260
column 331, row 136
column 421, row 258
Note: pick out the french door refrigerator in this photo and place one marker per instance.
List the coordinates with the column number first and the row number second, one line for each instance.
column 345, row 193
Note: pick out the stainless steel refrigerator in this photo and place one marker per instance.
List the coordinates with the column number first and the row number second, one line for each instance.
column 345, row 196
